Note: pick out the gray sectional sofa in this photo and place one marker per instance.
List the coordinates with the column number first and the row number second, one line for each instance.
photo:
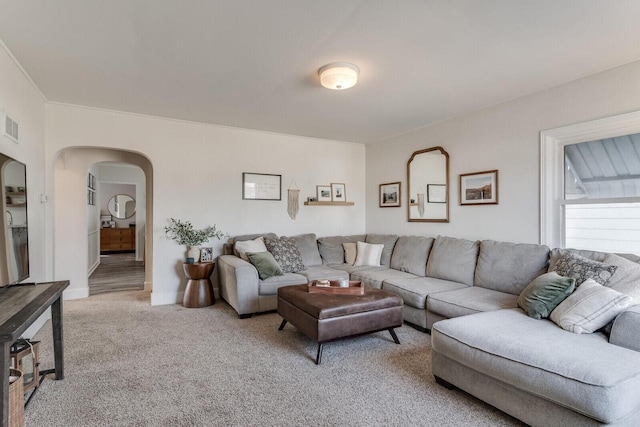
column 531, row 369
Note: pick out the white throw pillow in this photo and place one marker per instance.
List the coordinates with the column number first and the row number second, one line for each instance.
column 350, row 251
column 589, row 308
column 368, row 254
column 255, row 245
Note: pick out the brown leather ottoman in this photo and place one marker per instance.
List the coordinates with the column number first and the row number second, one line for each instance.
column 330, row 317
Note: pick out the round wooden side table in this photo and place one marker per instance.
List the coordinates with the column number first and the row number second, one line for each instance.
column 199, row 291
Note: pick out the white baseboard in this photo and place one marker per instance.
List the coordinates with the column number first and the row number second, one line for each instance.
column 93, row 267
column 75, row 293
column 165, row 298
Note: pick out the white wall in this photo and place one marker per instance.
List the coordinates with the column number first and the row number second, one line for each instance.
column 198, row 177
column 24, row 103
column 504, row 137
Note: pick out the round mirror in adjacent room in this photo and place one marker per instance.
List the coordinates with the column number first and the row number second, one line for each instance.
column 122, row 206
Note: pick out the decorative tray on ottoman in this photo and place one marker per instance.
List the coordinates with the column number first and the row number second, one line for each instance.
column 355, row 287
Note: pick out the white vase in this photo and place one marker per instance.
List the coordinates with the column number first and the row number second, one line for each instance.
column 194, row 252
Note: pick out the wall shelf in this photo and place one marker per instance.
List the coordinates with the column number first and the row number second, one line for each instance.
column 329, row 203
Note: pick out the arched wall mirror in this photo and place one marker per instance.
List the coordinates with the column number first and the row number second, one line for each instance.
column 428, row 186
column 122, row 206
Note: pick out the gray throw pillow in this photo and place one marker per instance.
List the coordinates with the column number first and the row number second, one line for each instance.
column 544, row 294
column 285, row 251
column 265, row 263
column 581, row 269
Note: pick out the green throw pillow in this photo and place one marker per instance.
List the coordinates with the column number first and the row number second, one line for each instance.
column 265, row 263
column 544, row 294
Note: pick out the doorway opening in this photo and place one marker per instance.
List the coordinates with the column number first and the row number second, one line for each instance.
column 117, row 209
column 86, row 180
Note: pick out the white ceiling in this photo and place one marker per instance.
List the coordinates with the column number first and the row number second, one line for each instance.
column 253, row 64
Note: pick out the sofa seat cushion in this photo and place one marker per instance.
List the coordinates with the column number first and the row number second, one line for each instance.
column 317, row 272
column 414, row 291
column 469, row 300
column 374, row 278
column 353, row 268
column 270, row 286
column 581, row 372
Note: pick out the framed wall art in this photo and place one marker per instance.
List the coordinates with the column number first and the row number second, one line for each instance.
column 323, row 193
column 479, row 188
column 338, row 192
column 260, row 186
column 390, row 195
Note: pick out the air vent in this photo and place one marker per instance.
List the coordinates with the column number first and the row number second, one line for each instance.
column 10, row 128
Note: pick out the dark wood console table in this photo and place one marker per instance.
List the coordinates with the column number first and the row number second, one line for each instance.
column 20, row 306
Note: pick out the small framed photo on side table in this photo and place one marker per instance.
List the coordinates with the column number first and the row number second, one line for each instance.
column 206, row 254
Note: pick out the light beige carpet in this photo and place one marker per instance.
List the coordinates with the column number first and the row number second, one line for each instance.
column 130, row 364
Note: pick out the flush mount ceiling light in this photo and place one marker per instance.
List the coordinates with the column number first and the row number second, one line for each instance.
column 338, row 75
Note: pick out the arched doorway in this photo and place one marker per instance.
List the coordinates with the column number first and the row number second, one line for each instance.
column 72, row 239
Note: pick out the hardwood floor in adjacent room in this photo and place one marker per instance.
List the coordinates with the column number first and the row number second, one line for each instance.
column 117, row 272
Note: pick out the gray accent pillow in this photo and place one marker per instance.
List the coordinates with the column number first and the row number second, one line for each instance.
column 285, row 251
column 388, row 240
column 509, row 267
column 331, row 249
column 544, row 294
column 410, row 254
column 580, row 268
column 308, row 248
column 265, row 263
column 453, row 259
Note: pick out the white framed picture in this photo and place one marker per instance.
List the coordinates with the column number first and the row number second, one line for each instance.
column 338, row 192
column 323, row 193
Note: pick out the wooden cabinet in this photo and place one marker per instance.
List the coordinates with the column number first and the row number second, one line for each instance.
column 117, row 239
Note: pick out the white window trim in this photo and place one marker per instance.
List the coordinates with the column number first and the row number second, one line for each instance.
column 552, row 144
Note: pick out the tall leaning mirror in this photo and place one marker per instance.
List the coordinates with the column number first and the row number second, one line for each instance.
column 428, row 186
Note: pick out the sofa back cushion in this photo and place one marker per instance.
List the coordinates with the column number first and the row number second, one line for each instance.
column 410, row 254
column 556, row 253
column 453, row 259
column 331, row 249
column 510, row 267
column 389, row 242
column 308, row 248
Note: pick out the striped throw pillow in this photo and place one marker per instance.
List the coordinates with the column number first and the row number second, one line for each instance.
column 368, row 254
column 589, row 308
